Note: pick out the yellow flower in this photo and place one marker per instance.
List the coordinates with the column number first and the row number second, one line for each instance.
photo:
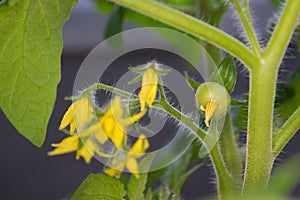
column 130, row 159
column 68, row 145
column 209, row 111
column 87, row 151
column 215, row 98
column 78, row 115
column 149, row 87
column 114, row 125
column 72, row 143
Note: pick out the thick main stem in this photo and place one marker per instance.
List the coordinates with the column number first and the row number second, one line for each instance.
column 259, row 156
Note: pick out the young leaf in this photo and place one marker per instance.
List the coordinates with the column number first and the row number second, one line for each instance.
column 115, row 22
column 31, row 46
column 103, row 6
column 149, row 194
column 225, row 74
column 288, row 95
column 192, row 83
column 183, row 178
column 286, row 177
column 99, row 186
column 135, row 186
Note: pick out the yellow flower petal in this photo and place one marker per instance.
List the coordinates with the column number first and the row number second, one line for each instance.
column 112, row 172
column 108, row 124
column 86, row 151
column 117, row 136
column 140, row 146
column 68, row 145
column 85, row 154
column 72, row 126
column 78, row 115
column 132, row 167
column 97, row 131
column 67, row 118
column 112, row 124
column 209, row 111
column 130, row 120
column 116, row 168
column 149, row 88
column 82, row 112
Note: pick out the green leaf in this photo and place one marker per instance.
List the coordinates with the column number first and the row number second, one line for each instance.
column 103, row 6
column 284, row 180
column 225, row 74
column 288, row 95
column 177, row 172
column 149, row 194
column 183, row 178
column 176, row 169
column 135, row 186
column 286, row 177
column 31, row 46
column 277, row 3
column 192, row 83
column 99, row 186
column 115, row 22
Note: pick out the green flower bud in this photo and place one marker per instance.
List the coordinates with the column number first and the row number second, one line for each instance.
column 213, row 99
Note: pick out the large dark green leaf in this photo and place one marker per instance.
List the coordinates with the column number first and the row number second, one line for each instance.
column 99, row 186
column 31, row 46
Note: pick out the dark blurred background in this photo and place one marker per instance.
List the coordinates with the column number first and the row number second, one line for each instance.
column 26, row 172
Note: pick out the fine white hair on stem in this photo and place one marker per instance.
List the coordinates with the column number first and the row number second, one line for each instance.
column 292, row 48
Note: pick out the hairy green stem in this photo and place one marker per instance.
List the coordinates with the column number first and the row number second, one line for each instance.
column 111, row 89
column 245, row 18
column 226, row 183
column 283, row 32
column 259, row 155
column 230, row 150
column 192, row 26
column 283, row 135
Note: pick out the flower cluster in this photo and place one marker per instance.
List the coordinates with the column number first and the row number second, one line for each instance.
column 90, row 128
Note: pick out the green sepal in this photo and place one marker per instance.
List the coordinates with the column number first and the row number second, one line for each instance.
column 138, row 69
column 136, row 79
column 162, row 71
column 191, row 82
